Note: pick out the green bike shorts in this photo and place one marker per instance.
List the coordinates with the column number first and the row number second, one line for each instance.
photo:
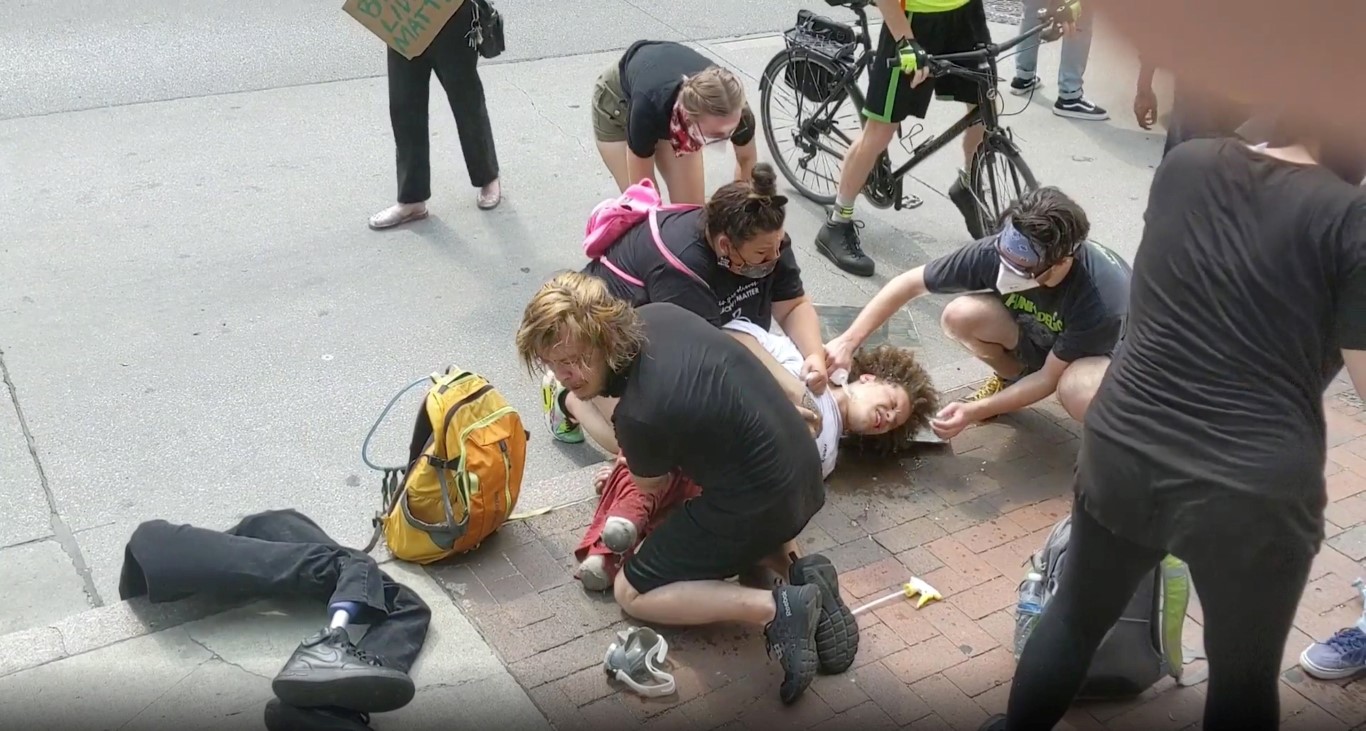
column 890, row 96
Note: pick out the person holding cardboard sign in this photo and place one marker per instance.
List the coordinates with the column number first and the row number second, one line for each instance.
column 454, row 56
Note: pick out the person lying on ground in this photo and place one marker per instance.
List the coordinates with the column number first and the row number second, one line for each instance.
column 658, row 106
column 329, row 682
column 1053, row 311
column 745, row 266
column 693, row 400
column 888, row 400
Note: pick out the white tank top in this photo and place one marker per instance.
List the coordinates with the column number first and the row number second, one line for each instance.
column 785, row 352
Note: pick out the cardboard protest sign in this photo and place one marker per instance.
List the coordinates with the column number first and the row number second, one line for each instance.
column 408, row 26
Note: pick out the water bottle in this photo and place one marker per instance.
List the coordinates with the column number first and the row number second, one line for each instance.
column 1028, row 609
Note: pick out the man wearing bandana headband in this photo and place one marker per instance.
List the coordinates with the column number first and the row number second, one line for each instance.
column 1040, row 304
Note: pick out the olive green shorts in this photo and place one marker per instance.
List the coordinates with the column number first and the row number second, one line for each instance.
column 609, row 107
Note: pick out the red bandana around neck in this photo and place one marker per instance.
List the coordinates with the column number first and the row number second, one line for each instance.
column 683, row 133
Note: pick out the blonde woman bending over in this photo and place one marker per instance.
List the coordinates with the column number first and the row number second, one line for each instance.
column 658, row 107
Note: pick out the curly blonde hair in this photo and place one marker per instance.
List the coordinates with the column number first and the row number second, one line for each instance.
column 899, row 367
column 577, row 307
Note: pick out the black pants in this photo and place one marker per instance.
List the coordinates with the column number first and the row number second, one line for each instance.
column 457, row 68
column 1249, row 571
column 276, row 554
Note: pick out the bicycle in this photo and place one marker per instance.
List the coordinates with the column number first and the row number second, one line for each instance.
column 820, row 64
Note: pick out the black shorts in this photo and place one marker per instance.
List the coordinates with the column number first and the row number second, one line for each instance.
column 890, row 96
column 1034, row 344
column 681, row 549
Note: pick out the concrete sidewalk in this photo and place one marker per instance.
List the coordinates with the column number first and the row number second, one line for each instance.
column 143, row 667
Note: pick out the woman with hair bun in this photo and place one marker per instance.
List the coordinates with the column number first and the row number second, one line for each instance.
column 737, row 263
column 658, row 106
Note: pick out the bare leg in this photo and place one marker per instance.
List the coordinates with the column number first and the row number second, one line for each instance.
column 862, row 156
column 1079, row 383
column 596, row 418
column 972, row 139
column 690, row 603
column 986, row 328
column 684, row 176
column 614, row 157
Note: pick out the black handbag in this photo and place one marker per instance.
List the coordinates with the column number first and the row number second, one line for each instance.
column 486, row 35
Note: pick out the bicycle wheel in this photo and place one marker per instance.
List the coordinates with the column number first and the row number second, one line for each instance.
column 825, row 120
column 998, row 177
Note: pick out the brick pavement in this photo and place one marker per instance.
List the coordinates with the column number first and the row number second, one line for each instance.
column 965, row 518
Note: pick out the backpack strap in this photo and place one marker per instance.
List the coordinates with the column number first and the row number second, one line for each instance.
column 668, row 255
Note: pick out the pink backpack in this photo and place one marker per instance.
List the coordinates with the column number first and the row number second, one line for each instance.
column 612, row 218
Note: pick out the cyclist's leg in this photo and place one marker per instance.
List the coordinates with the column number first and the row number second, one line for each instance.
column 957, row 31
column 890, row 99
column 887, row 87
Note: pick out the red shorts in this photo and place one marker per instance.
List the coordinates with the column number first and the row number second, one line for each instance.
column 622, row 499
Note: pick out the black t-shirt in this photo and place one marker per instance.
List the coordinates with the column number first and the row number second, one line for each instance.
column 651, row 74
column 1249, row 280
column 725, row 296
column 697, row 400
column 1084, row 315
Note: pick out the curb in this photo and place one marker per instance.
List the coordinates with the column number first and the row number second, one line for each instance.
column 111, row 624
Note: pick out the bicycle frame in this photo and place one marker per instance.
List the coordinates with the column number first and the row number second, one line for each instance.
column 984, row 112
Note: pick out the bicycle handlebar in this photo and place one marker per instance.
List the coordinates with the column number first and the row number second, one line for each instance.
column 942, row 63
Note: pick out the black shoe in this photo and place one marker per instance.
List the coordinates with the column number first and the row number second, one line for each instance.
column 837, row 630
column 328, row 671
column 792, row 637
column 839, row 242
column 966, row 203
column 281, row 716
column 995, row 723
column 1080, row 108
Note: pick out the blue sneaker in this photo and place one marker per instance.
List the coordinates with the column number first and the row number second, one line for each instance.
column 562, row 427
column 1340, row 656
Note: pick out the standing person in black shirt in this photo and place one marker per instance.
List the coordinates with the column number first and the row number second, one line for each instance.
column 1207, row 438
column 695, row 401
column 658, row 107
column 1050, row 309
column 739, row 265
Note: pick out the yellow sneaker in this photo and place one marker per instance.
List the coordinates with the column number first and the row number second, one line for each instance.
column 993, row 386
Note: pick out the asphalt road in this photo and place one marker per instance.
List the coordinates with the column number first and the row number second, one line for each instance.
column 195, row 323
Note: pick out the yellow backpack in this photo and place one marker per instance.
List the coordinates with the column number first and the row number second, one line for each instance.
column 464, row 471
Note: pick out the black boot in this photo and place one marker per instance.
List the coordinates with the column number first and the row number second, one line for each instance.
column 281, row 716
column 839, row 242
column 328, row 671
column 792, row 637
column 966, row 203
column 837, row 632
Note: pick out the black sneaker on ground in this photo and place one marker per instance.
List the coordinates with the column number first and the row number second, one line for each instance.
column 1020, row 87
column 838, row 241
column 791, row 636
column 328, row 671
column 837, row 631
column 281, row 716
column 995, row 723
column 1080, row 108
column 966, row 203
